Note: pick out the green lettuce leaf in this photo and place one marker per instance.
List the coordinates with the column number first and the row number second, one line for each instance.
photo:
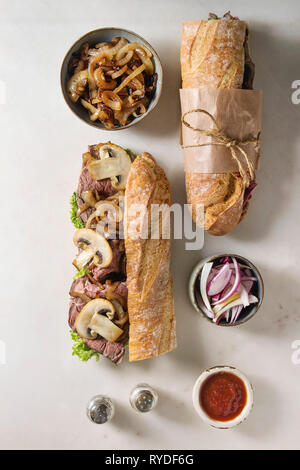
column 76, row 221
column 131, row 152
column 83, row 271
column 81, row 350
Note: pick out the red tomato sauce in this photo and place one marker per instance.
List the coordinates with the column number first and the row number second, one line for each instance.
column 223, row 396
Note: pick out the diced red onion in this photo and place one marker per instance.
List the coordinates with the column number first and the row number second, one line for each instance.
column 216, row 297
column 248, row 192
column 227, row 315
column 202, row 306
column 243, row 294
column 235, row 312
column 248, row 286
column 220, row 281
column 236, row 283
column 228, row 287
column 235, row 303
column 203, row 283
column 248, row 278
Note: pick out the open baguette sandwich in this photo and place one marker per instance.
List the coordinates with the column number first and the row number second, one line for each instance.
column 122, row 292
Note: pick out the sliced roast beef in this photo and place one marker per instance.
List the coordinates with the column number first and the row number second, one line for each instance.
column 87, row 183
column 113, row 351
column 76, row 305
column 85, row 287
column 122, row 290
column 104, row 187
column 116, row 265
column 94, row 151
column 93, row 291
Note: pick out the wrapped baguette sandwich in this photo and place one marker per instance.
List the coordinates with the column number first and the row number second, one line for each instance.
column 215, row 54
column 122, row 292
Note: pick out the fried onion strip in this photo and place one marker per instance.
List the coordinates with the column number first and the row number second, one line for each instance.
column 132, row 46
column 128, row 79
column 112, row 100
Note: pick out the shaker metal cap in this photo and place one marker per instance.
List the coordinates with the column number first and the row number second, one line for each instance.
column 100, row 409
column 143, row 398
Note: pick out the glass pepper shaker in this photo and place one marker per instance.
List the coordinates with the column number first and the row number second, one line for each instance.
column 100, row 409
column 143, row 398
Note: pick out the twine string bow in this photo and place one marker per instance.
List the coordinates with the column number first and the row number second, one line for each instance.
column 220, row 138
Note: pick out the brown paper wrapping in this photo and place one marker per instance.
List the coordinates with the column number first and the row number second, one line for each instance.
column 237, row 113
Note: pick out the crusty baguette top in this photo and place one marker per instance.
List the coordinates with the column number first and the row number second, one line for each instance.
column 150, row 298
column 212, row 53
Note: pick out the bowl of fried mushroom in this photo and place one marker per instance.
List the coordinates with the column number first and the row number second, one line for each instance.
column 111, row 78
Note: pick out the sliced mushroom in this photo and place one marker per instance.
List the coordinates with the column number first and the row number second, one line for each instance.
column 114, row 163
column 89, row 198
column 109, row 213
column 122, row 315
column 83, row 322
column 109, row 224
column 105, row 328
column 94, row 246
column 89, row 201
column 84, row 257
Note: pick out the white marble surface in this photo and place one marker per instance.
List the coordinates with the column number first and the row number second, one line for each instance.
column 44, row 389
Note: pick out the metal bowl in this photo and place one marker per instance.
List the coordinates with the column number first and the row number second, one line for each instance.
column 106, row 35
column 248, row 312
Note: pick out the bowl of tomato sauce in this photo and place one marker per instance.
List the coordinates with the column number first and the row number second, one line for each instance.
column 223, row 397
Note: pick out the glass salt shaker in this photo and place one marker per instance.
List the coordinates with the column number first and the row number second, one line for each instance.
column 143, row 398
column 100, row 409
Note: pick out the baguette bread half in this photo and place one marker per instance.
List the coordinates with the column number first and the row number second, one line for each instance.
column 212, row 53
column 149, row 282
column 215, row 53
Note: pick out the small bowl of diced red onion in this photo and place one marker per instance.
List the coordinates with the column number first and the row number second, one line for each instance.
column 226, row 289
